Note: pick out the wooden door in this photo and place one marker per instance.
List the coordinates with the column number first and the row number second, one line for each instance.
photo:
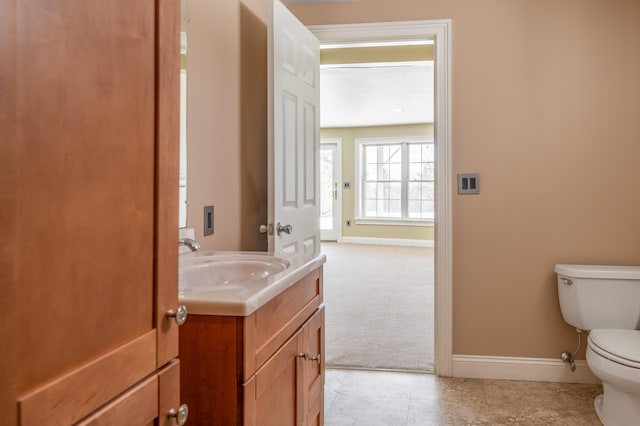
column 273, row 396
column 90, row 175
column 294, row 133
column 313, row 370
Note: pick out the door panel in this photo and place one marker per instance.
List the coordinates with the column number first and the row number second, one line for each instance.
column 330, row 192
column 272, row 396
column 313, row 371
column 294, row 132
column 83, row 143
column 168, row 393
column 93, row 185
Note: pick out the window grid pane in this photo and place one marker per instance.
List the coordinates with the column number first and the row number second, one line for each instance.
column 383, row 180
column 421, row 176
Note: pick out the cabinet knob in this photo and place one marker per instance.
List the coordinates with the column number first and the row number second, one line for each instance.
column 315, row 358
column 180, row 315
column 180, row 415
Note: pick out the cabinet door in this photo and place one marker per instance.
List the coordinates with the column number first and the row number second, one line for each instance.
column 273, row 396
column 313, row 369
column 168, row 393
column 94, row 258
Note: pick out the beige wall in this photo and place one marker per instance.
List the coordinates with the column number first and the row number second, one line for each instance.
column 348, row 137
column 546, row 107
column 546, row 100
column 227, row 121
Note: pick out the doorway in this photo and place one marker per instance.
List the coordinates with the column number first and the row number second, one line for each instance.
column 330, row 193
column 378, row 97
column 440, row 32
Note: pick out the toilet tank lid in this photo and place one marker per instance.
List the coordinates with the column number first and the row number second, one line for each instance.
column 600, row 271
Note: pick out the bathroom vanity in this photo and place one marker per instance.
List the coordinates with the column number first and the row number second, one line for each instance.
column 262, row 366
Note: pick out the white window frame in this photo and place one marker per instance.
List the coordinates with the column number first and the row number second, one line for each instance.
column 360, row 143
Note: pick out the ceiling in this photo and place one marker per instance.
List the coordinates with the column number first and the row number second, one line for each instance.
column 390, row 93
column 314, row 1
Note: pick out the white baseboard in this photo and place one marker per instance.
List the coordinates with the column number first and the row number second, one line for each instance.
column 388, row 241
column 529, row 369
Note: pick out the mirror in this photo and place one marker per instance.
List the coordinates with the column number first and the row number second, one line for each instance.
column 182, row 188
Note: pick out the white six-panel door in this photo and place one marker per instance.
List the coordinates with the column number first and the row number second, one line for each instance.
column 294, row 134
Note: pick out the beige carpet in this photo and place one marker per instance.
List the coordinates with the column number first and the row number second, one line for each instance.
column 379, row 307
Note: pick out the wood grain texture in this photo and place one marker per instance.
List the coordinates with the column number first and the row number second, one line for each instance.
column 86, row 143
column 82, row 181
column 167, row 158
column 9, row 191
column 278, row 396
column 136, row 407
column 313, row 372
column 209, row 376
column 70, row 397
column 224, row 385
column 169, row 392
column 279, row 318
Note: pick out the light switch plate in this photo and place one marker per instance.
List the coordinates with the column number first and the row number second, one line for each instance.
column 468, row 183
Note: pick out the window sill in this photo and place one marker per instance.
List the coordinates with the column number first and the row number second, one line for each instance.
column 394, row 222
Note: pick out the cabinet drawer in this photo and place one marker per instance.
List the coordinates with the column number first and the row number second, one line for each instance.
column 136, row 407
column 78, row 393
column 269, row 327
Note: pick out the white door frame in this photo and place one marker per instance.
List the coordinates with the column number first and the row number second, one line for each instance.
column 338, row 178
column 440, row 31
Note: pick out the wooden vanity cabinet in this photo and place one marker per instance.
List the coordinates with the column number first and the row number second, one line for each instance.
column 266, row 369
column 89, row 132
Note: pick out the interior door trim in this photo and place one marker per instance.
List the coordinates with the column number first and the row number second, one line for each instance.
column 440, row 32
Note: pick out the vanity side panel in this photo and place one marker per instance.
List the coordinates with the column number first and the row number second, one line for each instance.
column 209, row 364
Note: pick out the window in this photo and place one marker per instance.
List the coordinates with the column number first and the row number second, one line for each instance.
column 396, row 180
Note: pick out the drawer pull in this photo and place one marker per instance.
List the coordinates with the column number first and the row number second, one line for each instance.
column 180, row 415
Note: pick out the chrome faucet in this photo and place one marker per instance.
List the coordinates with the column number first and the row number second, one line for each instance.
column 189, row 242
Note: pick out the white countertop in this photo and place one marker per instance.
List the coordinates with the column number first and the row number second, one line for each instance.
column 242, row 299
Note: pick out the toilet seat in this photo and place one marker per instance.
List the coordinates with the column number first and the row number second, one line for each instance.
column 619, row 346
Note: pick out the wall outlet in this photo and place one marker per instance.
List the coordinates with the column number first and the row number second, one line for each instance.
column 346, row 185
column 348, row 222
column 208, row 220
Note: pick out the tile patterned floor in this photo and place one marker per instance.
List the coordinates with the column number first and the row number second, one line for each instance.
column 376, row 398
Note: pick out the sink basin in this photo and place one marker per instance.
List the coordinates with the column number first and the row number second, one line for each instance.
column 206, row 273
column 238, row 283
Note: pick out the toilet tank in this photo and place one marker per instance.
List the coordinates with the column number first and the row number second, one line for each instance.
column 598, row 296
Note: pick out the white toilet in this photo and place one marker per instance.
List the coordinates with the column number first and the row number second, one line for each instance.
column 605, row 300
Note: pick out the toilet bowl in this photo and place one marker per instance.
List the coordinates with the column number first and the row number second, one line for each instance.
column 614, row 357
column 605, row 300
